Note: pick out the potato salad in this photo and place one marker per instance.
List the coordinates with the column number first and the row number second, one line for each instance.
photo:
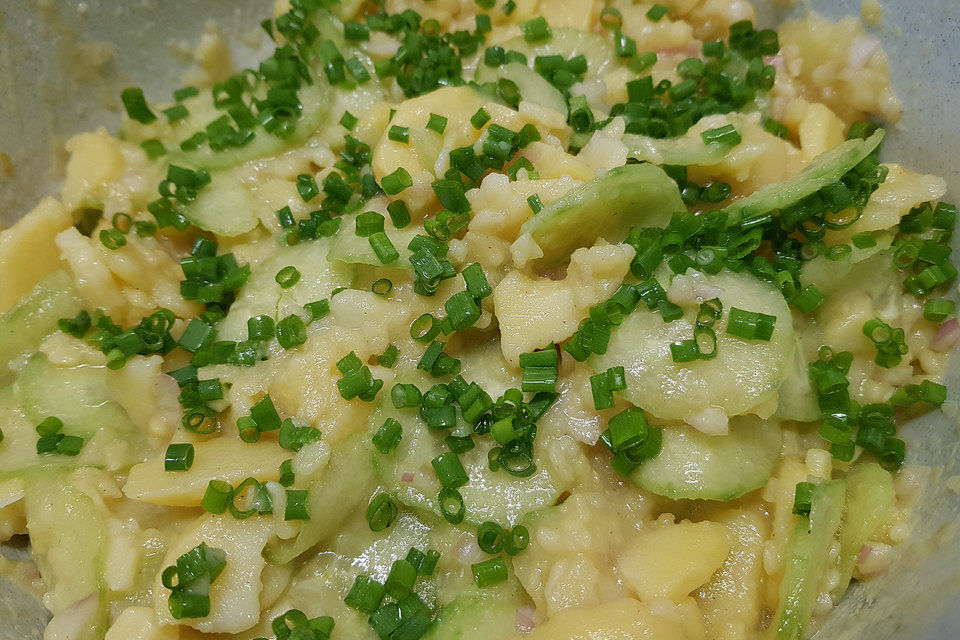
column 492, row 320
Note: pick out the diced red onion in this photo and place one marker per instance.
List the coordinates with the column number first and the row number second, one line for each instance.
column 864, row 553
column 407, row 477
column 526, row 619
column 947, row 335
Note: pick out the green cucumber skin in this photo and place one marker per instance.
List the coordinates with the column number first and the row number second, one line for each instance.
column 807, row 559
column 606, row 207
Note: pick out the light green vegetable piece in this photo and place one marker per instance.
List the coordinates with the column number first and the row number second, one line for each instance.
column 23, row 327
column 694, row 465
column 569, row 43
column 532, row 85
column 808, row 559
column 870, row 497
column 607, row 207
column 825, row 169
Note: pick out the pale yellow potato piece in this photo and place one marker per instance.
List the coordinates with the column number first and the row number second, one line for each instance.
column 500, row 207
column 140, row 623
column 235, row 594
column 96, row 161
column 730, row 601
column 671, row 560
column 578, row 14
column 900, row 192
column 225, row 458
column 817, row 127
column 28, row 251
column 840, row 65
column 533, row 312
column 625, row 619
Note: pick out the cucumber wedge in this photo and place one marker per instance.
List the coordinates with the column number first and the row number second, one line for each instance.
column 349, row 248
column 224, row 206
column 742, row 375
column 697, row 466
column 23, row 327
column 490, row 495
column 796, row 399
column 808, row 560
column 489, row 613
column 532, row 85
column 823, row 170
column 607, row 207
column 262, row 295
column 683, row 150
column 568, row 42
column 337, row 495
column 870, row 496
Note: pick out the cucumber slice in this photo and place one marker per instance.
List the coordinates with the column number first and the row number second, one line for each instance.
column 224, row 206
column 870, row 497
column 607, row 207
column 796, row 399
column 26, row 325
column 532, row 85
column 350, row 248
column 742, row 375
column 490, row 614
column 262, row 295
column 808, row 559
column 82, row 398
column 830, row 276
column 697, row 466
column 823, row 170
column 683, row 150
column 490, row 495
column 336, row 496
column 569, row 43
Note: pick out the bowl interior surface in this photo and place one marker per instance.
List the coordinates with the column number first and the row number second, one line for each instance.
column 63, row 64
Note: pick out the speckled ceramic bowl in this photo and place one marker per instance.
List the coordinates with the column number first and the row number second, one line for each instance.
column 63, row 62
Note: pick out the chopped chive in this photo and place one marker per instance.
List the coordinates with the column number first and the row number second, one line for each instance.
column 388, row 436
column 382, row 286
column 365, row 595
column 291, row 332
column 381, row 512
column 437, row 123
column 656, row 12
column 317, row 309
column 490, row 537
column 112, row 239
column 802, row 498
column 396, row 182
column 348, row 121
column 399, row 134
column 399, row 213
column 287, row 277
column 136, row 105
column 450, row 470
column 179, row 457
column 480, row 118
column 176, row 113
column 451, row 507
column 536, row 30
column 216, row 497
column 489, row 572
column 296, row 507
column 750, row 325
column 307, row 187
column 726, row 134
column 534, row 203
column 153, row 148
